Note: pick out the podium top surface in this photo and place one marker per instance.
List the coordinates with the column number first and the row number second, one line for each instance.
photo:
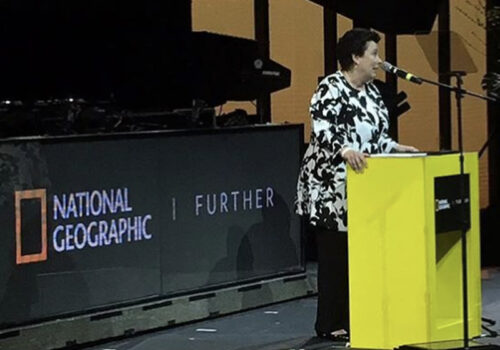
column 414, row 154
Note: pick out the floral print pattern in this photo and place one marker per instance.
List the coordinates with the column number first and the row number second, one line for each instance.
column 342, row 116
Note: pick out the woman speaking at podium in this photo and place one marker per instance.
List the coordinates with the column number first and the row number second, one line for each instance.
column 349, row 122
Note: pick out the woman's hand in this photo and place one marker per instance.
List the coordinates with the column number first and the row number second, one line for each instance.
column 405, row 148
column 355, row 159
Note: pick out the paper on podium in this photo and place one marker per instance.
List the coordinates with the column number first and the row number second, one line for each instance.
column 398, row 155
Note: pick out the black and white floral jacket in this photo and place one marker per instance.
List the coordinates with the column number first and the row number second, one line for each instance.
column 342, row 116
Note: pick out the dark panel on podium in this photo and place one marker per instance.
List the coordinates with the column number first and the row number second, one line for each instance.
column 449, row 206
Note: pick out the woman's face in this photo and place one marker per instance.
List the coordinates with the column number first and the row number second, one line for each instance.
column 368, row 64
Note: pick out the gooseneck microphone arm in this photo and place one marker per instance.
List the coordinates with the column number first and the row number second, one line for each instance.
column 389, row 68
column 459, row 90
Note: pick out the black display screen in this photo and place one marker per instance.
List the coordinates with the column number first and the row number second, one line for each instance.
column 89, row 222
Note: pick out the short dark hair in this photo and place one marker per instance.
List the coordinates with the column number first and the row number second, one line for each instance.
column 354, row 42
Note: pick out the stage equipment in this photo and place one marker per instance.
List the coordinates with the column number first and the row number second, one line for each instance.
column 463, row 220
column 405, row 251
column 211, row 69
column 230, row 68
column 123, row 58
column 389, row 16
column 164, row 74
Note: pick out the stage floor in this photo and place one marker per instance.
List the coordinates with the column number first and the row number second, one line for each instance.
column 288, row 325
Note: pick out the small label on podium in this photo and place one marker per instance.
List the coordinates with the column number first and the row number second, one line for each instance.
column 449, row 204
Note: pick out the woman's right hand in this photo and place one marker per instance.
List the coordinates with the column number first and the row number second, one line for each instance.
column 355, row 159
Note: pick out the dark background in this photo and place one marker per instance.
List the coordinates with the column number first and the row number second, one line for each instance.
column 98, row 50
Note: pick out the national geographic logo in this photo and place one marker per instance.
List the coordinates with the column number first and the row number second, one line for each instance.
column 78, row 221
column 38, row 195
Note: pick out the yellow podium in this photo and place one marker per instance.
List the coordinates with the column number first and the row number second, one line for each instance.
column 405, row 279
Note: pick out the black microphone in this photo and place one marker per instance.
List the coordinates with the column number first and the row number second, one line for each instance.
column 400, row 73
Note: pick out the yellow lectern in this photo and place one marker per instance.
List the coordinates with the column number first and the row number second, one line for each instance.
column 405, row 279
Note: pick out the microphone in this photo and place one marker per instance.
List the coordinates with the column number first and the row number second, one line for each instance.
column 386, row 66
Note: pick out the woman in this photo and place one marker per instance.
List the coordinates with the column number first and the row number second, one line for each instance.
column 349, row 122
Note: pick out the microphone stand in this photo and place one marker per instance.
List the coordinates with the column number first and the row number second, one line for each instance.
column 488, row 140
column 459, row 95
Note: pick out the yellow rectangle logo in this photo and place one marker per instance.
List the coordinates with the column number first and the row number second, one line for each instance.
column 40, row 194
